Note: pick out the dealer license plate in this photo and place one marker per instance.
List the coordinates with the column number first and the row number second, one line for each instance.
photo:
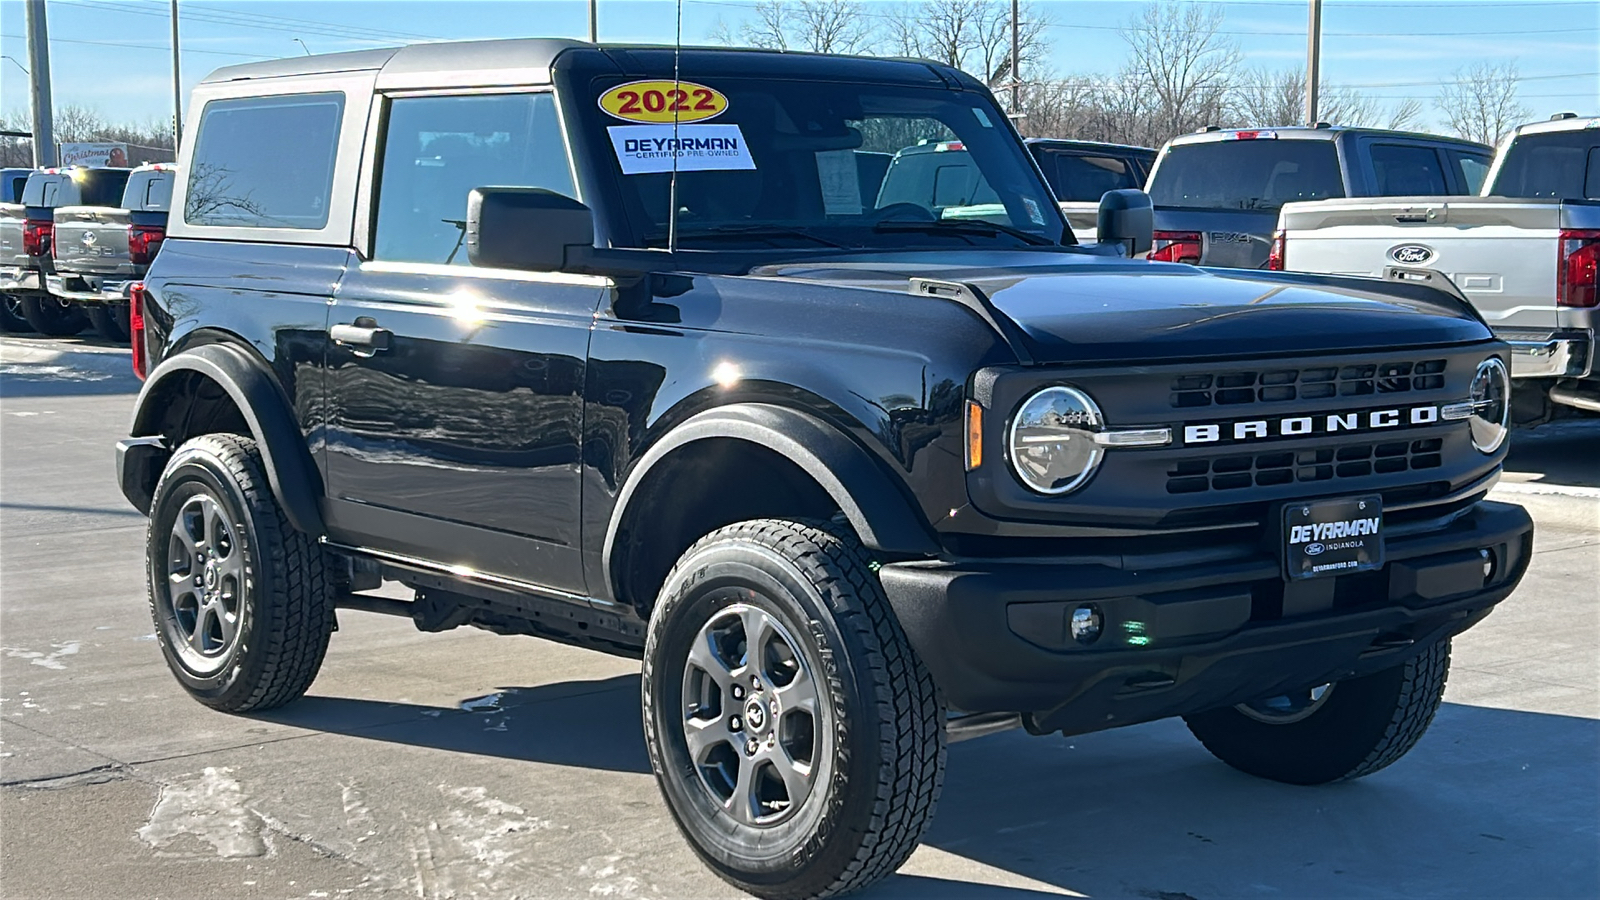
column 1333, row 537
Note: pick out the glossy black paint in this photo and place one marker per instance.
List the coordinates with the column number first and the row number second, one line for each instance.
column 495, row 421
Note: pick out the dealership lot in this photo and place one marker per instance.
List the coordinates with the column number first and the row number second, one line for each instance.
column 380, row 783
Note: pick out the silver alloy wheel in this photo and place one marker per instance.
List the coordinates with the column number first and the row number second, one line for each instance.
column 1285, row 709
column 202, row 603
column 755, row 727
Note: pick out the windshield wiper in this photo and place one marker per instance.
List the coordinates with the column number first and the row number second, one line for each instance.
column 757, row 230
column 964, row 226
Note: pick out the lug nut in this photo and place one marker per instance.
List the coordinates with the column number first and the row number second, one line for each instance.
column 755, row 683
column 773, row 705
column 750, row 747
column 738, row 692
column 735, row 724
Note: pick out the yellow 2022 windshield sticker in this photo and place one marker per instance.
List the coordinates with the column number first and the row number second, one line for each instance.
column 663, row 102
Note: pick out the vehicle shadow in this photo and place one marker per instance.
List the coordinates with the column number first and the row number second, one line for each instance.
column 1491, row 803
column 1560, row 453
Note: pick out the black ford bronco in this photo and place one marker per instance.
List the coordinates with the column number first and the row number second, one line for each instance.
column 620, row 347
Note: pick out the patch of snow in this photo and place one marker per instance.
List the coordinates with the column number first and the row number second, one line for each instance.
column 210, row 808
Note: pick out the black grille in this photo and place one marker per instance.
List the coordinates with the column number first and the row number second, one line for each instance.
column 1318, row 383
column 1234, row 471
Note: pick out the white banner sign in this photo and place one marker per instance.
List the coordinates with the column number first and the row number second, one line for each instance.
column 644, row 149
column 94, row 154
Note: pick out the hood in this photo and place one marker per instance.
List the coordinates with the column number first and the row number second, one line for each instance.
column 1064, row 307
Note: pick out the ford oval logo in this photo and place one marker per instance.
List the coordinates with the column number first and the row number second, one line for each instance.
column 89, row 239
column 1411, row 254
column 1315, row 549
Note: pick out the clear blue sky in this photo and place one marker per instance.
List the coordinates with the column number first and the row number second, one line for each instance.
column 113, row 54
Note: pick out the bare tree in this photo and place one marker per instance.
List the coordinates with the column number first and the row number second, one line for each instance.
column 1405, row 115
column 1176, row 52
column 972, row 35
column 821, row 26
column 1265, row 97
column 149, row 141
column 1481, row 102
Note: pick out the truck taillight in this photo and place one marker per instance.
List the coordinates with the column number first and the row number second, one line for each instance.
column 38, row 237
column 144, row 241
column 136, row 298
column 1176, row 247
column 1276, row 254
column 1578, row 269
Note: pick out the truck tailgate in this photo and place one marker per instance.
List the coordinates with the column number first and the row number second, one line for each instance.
column 11, row 216
column 1500, row 251
column 92, row 240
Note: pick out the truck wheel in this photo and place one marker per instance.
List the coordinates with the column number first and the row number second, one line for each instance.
column 51, row 315
column 797, row 738
column 11, row 318
column 110, row 321
column 1335, row 732
column 242, row 602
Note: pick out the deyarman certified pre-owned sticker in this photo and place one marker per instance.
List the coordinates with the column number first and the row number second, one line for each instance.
column 663, row 101
column 645, row 149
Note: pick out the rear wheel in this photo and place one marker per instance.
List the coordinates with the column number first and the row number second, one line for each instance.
column 242, row 602
column 51, row 315
column 1331, row 732
column 11, row 317
column 797, row 738
column 111, row 321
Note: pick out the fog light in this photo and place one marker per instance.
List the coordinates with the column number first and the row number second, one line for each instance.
column 1488, row 565
column 1086, row 624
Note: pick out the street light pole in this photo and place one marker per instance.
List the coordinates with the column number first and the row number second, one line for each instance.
column 177, row 85
column 1313, row 60
column 1016, row 60
column 44, row 141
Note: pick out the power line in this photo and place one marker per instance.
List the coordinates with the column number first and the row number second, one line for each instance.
column 327, row 29
column 131, row 46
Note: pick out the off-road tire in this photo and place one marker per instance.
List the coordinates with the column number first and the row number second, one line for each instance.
column 1366, row 724
column 110, row 320
column 50, row 315
column 12, row 320
column 287, row 602
column 888, row 757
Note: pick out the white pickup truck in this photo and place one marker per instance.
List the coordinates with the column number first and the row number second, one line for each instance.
column 1525, row 253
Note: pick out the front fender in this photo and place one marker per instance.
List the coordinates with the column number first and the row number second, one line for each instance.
column 291, row 472
column 883, row 516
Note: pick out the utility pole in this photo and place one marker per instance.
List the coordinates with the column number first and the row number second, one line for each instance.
column 1313, row 60
column 594, row 21
column 44, row 141
column 177, row 86
column 1016, row 60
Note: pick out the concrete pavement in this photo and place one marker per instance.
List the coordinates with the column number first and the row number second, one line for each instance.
column 114, row 784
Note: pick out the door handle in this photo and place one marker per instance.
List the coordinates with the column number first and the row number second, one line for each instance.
column 363, row 336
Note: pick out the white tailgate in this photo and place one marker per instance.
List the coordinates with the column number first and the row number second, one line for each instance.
column 1499, row 254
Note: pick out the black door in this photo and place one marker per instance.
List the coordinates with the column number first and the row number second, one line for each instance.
column 455, row 393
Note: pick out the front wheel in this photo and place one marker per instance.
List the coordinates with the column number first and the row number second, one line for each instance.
column 1332, row 732
column 795, row 735
column 242, row 602
column 50, row 315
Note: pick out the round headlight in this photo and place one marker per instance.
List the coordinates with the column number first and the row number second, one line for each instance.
column 1052, row 443
column 1491, row 405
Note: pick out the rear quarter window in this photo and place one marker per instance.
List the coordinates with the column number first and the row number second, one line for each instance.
column 1561, row 165
column 148, row 192
column 265, row 162
column 1258, row 174
column 1407, row 170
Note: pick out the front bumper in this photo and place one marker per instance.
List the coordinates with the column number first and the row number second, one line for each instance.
column 1193, row 634
column 88, row 288
column 18, row 278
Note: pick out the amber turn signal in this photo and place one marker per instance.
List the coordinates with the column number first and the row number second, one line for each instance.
column 974, row 435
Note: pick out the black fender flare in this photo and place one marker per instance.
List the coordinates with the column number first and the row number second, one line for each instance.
column 882, row 515
column 291, row 472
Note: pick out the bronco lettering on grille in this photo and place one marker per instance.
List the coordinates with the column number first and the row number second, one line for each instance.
column 1301, row 426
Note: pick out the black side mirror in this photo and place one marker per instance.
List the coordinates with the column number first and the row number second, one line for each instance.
column 525, row 228
column 1126, row 217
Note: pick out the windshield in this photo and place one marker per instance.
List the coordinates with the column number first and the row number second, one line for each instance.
column 793, row 164
column 1564, row 165
column 1258, row 174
